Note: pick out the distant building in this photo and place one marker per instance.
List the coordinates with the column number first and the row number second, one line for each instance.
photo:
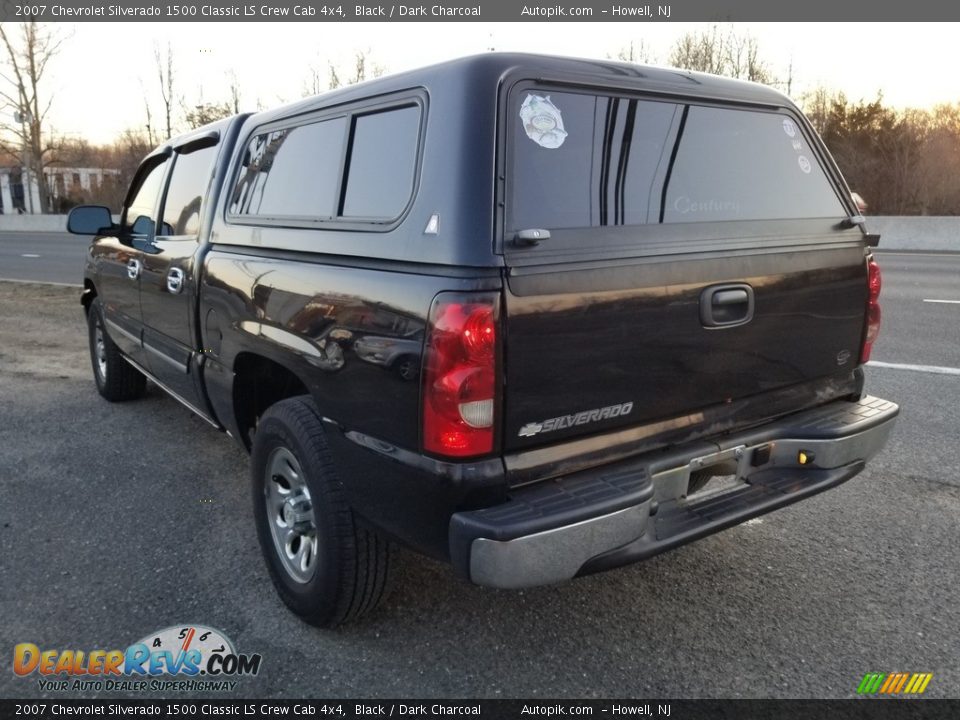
column 19, row 192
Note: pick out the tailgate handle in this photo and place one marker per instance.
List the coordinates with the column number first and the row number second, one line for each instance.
column 531, row 236
column 729, row 305
column 730, row 297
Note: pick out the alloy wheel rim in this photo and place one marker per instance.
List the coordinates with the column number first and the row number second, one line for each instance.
column 408, row 369
column 290, row 515
column 100, row 350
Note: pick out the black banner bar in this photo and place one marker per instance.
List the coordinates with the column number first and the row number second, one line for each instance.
column 859, row 709
column 618, row 11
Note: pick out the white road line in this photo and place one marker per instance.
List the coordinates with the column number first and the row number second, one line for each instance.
column 40, row 282
column 946, row 302
column 31, row 255
column 916, row 368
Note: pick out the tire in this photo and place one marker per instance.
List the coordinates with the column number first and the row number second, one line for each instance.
column 116, row 379
column 325, row 565
column 407, row 367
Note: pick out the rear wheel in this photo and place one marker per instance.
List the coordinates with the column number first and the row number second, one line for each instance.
column 326, row 566
column 116, row 379
column 407, row 367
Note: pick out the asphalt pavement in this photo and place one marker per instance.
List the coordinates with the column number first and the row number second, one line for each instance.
column 120, row 520
column 46, row 257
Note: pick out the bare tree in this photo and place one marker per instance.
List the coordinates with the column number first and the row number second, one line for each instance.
column 729, row 54
column 151, row 136
column 234, row 93
column 334, row 82
column 360, row 73
column 937, row 169
column 788, row 84
column 817, row 105
column 704, row 51
column 363, row 69
column 313, row 84
column 205, row 113
column 165, row 74
column 899, row 161
column 743, row 59
column 124, row 155
column 639, row 53
column 25, row 63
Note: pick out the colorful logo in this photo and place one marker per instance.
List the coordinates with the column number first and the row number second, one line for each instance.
column 184, row 651
column 894, row 683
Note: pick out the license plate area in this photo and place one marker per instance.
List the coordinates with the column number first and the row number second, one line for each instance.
column 716, row 485
column 729, row 468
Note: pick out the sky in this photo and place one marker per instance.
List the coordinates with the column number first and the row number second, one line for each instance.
column 104, row 71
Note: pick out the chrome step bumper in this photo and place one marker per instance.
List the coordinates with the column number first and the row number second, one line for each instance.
column 611, row 516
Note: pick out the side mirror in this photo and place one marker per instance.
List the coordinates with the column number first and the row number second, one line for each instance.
column 89, row 220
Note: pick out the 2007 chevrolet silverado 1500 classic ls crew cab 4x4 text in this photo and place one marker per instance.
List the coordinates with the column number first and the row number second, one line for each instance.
column 511, row 311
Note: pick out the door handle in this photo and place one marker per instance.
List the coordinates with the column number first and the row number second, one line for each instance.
column 175, row 280
column 723, row 306
column 133, row 269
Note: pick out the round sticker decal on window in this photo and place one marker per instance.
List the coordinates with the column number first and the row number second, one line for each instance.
column 542, row 122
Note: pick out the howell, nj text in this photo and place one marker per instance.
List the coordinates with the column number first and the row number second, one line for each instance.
column 638, row 11
column 641, row 710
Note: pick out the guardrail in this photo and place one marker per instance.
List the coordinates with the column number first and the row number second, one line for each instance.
column 917, row 232
column 896, row 233
column 33, row 223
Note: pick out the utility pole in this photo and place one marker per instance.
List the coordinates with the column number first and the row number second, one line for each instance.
column 24, row 118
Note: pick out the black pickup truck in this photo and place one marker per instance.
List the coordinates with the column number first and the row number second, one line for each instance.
column 535, row 316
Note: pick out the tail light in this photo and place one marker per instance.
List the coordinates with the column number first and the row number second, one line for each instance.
column 460, row 386
column 873, row 309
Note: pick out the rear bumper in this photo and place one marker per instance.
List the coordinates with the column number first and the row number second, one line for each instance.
column 615, row 515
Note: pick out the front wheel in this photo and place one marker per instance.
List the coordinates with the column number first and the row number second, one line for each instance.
column 116, row 379
column 326, row 567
